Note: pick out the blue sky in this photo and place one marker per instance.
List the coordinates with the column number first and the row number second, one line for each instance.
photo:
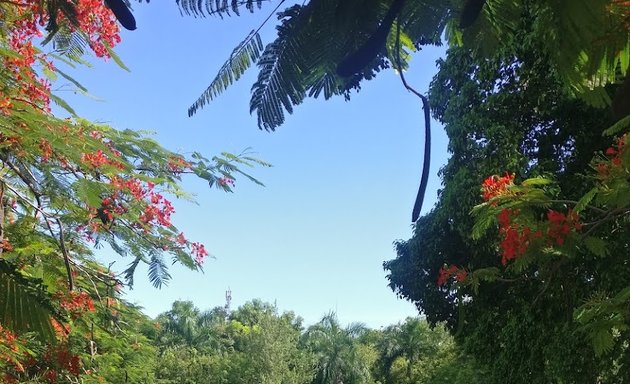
column 341, row 190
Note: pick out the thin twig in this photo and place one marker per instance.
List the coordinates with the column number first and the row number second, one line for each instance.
column 19, row 172
column 64, row 251
column 609, row 216
column 573, row 202
column 551, row 275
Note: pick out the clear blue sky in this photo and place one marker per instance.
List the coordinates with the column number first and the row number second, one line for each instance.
column 341, row 190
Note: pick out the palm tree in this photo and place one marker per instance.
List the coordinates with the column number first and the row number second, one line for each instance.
column 180, row 324
column 336, row 353
column 411, row 340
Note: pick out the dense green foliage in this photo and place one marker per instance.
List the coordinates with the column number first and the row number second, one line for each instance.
column 511, row 112
column 256, row 344
column 554, row 308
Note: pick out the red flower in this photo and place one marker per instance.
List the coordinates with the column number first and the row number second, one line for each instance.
column 445, row 274
column 5, row 245
column 516, row 239
column 495, row 186
column 226, row 181
column 560, row 225
column 46, row 149
column 199, row 251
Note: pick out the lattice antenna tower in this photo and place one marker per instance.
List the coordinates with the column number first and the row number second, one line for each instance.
column 228, row 300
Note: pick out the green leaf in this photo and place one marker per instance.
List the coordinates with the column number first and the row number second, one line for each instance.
column 603, row 341
column 241, row 59
column 115, row 57
column 23, row 305
column 536, row 181
column 596, row 246
column 158, row 272
column 70, row 79
column 621, row 125
column 88, row 191
column 205, row 8
column 62, row 103
column 485, row 218
column 585, row 200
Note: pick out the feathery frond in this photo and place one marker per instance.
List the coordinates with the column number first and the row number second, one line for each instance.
column 158, row 272
column 23, row 304
column 312, row 40
column 69, row 43
column 300, row 62
column 241, row 59
column 278, row 87
column 203, row 8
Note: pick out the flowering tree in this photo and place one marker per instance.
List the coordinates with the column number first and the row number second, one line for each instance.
column 67, row 184
column 539, row 231
column 514, row 278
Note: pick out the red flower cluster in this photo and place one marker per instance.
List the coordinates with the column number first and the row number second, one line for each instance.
column 63, row 359
column 10, row 352
column 199, row 251
column 615, row 153
column 5, row 245
column 99, row 158
column 177, row 164
column 8, row 341
column 226, row 181
column 158, row 212
column 99, row 24
column 452, row 270
column 75, row 303
column 560, row 225
column 516, row 239
column 618, row 150
column 29, row 87
column 495, row 186
column 46, row 149
column 95, row 20
column 57, row 362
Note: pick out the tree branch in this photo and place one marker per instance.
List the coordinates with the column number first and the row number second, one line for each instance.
column 426, row 164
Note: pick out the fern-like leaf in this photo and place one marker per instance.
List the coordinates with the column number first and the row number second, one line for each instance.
column 69, row 43
column 158, row 272
column 203, row 8
column 241, row 59
column 24, row 306
column 278, row 87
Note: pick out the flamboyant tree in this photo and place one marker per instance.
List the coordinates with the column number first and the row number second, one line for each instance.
column 67, row 185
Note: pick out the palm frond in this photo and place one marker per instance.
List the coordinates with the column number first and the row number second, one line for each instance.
column 203, row 8
column 24, row 306
column 424, row 21
column 241, row 59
